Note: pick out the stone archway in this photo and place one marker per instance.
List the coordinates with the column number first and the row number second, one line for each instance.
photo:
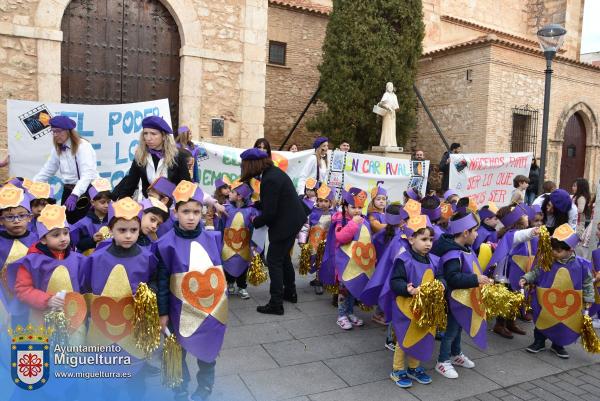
column 588, row 118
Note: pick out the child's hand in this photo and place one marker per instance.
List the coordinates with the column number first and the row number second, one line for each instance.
column 56, row 302
column 535, row 232
column 357, row 219
column 522, row 282
column 98, row 237
column 164, row 320
column 412, row 290
column 484, row 279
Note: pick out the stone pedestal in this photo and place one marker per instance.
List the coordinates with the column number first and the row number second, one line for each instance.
column 389, row 151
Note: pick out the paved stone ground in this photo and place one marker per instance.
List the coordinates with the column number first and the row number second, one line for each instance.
column 305, row 356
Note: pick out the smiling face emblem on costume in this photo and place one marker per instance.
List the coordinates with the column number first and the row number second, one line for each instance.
column 236, row 239
column 362, row 256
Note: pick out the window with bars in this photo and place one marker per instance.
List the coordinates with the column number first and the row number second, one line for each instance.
column 277, row 52
column 524, row 129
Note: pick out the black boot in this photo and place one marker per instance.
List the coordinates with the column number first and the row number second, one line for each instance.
column 270, row 309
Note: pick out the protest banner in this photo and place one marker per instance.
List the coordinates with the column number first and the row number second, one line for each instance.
column 113, row 131
column 487, row 177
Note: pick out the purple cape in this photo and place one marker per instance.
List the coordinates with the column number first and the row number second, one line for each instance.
column 484, row 234
column 471, row 314
column 319, row 222
column 205, row 340
column 11, row 250
column 557, row 313
column 596, row 268
column 355, row 272
column 166, row 226
column 85, row 228
column 417, row 343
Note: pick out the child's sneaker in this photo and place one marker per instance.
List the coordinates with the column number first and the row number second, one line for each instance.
column 419, row 375
column 344, row 323
column 463, row 361
column 355, row 320
column 560, row 351
column 401, row 378
column 243, row 293
column 230, row 288
column 446, row 369
column 536, row 347
column 390, row 345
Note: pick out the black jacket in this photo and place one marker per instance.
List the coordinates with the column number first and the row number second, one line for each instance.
column 282, row 211
column 453, row 275
column 130, row 182
column 445, row 170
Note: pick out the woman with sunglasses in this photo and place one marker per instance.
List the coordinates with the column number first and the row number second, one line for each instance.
column 75, row 159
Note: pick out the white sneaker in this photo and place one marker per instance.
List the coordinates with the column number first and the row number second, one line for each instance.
column 231, row 289
column 596, row 323
column 243, row 293
column 446, row 369
column 355, row 320
column 463, row 361
column 344, row 323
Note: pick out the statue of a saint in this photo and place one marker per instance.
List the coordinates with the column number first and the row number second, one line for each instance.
column 387, row 109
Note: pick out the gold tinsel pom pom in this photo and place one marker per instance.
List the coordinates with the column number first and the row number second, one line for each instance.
column 332, row 289
column 56, row 321
column 304, row 263
column 429, row 305
column 257, row 273
column 172, row 363
column 365, row 308
column 499, row 301
column 589, row 337
column 146, row 327
column 544, row 252
column 320, row 253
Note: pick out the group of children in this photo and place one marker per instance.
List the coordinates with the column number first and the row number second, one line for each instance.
column 194, row 258
column 93, row 268
column 379, row 253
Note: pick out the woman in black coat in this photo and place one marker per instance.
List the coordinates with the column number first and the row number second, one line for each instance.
column 156, row 156
column 284, row 214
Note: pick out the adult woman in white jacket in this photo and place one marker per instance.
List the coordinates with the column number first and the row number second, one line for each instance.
column 317, row 166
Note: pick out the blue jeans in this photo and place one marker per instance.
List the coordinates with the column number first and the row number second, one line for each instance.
column 530, row 197
column 345, row 302
column 450, row 345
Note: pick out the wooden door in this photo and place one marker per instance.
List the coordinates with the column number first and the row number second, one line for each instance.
column 120, row 51
column 572, row 163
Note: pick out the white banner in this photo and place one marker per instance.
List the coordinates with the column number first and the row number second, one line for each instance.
column 487, row 177
column 113, row 131
column 346, row 169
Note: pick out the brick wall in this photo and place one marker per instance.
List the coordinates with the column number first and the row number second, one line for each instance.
column 290, row 87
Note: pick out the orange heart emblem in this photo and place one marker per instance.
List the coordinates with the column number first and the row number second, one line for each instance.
column 475, row 296
column 113, row 318
column 75, row 310
column 364, row 255
column 316, row 234
column 237, row 238
column 204, row 290
column 561, row 304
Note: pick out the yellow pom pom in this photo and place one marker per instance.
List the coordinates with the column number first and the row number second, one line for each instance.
column 429, row 305
column 499, row 301
column 146, row 326
column 257, row 273
column 320, row 253
column 332, row 289
column 57, row 323
column 589, row 337
column 544, row 252
column 304, row 263
column 365, row 308
column 172, row 363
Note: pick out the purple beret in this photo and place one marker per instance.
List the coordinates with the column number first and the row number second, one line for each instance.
column 514, row 216
column 156, row 122
column 320, row 141
column 155, row 206
column 450, row 193
column 164, row 186
column 465, row 223
column 561, row 200
column 62, row 122
column 181, row 130
column 253, row 154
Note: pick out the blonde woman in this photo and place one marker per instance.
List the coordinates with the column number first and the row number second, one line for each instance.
column 156, row 156
column 183, row 139
column 75, row 159
column 316, row 167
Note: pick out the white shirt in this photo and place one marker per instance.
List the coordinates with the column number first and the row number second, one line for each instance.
column 66, row 165
column 572, row 213
column 310, row 170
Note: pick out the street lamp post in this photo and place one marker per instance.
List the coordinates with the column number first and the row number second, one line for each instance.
column 551, row 37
